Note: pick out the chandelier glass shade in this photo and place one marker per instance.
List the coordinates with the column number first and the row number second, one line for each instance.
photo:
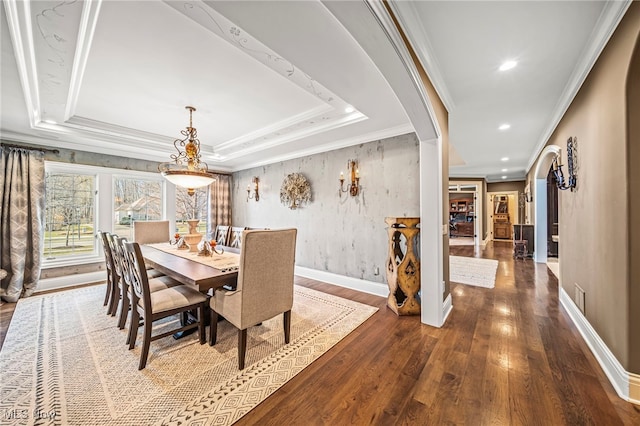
column 186, row 169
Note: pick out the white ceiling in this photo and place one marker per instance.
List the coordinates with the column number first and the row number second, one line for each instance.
column 272, row 80
column 462, row 45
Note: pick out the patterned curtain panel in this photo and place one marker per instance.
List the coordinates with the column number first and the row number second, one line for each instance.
column 220, row 202
column 22, row 197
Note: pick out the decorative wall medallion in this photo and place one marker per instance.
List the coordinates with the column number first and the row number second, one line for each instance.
column 295, row 190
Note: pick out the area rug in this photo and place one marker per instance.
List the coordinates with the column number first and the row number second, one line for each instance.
column 473, row 271
column 461, row 241
column 64, row 362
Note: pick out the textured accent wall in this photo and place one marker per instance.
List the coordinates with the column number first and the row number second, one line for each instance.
column 343, row 235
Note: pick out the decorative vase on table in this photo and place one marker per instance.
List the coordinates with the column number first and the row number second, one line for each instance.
column 193, row 237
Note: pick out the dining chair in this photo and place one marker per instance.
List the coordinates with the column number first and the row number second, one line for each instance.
column 264, row 289
column 236, row 236
column 111, row 279
column 151, row 231
column 153, row 306
column 157, row 280
column 222, row 235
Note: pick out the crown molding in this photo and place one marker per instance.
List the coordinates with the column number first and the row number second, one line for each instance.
column 274, row 129
column 611, row 15
column 388, row 26
column 325, row 126
column 318, row 149
column 87, row 29
column 19, row 22
column 428, row 61
column 62, row 139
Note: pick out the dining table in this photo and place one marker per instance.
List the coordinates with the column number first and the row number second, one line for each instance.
column 187, row 268
column 193, row 270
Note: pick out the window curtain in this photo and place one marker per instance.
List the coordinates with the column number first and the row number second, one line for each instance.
column 220, row 202
column 22, row 197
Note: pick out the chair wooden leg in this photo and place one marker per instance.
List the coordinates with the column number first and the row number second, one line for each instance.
column 201, row 328
column 146, row 342
column 124, row 312
column 242, row 347
column 107, row 294
column 133, row 327
column 213, row 327
column 287, row 326
column 115, row 300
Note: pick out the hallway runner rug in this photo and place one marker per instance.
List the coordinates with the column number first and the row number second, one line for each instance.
column 65, row 362
column 473, row 271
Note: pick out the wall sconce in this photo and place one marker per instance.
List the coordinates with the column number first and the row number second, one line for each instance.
column 572, row 161
column 352, row 188
column 256, row 194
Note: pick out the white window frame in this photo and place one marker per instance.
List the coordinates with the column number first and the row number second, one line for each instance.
column 104, row 207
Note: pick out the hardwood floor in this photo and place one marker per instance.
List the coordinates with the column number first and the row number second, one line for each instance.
column 506, row 356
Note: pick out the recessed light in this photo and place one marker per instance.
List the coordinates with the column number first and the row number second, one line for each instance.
column 504, row 159
column 349, row 109
column 507, row 65
column 505, row 170
column 504, row 126
column 504, row 177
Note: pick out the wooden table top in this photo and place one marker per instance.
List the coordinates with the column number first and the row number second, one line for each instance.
column 187, row 271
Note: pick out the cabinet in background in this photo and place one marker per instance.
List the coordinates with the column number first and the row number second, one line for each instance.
column 502, row 230
column 501, row 219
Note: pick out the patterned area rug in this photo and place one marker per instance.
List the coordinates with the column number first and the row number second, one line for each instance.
column 473, row 271
column 65, row 362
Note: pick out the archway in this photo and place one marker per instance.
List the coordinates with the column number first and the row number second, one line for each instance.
column 540, row 199
column 633, row 238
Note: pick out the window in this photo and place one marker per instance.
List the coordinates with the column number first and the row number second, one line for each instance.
column 191, row 207
column 80, row 200
column 70, row 208
column 135, row 199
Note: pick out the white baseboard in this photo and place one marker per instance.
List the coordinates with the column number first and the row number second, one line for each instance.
column 447, row 307
column 364, row 286
column 626, row 384
column 70, row 280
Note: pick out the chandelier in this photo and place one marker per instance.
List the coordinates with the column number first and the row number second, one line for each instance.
column 186, row 169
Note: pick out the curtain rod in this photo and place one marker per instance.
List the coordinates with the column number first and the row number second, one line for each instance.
column 10, row 145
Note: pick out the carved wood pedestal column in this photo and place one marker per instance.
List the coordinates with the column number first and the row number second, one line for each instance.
column 403, row 265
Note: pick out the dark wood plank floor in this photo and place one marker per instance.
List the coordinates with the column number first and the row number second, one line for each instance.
column 506, row 356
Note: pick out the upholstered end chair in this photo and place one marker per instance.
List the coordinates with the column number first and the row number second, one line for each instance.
column 150, row 232
column 265, row 285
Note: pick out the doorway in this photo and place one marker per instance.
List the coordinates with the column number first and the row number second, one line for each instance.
column 552, row 215
column 462, row 218
column 465, row 213
column 540, row 199
column 502, row 211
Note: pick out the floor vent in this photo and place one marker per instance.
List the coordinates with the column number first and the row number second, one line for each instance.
column 578, row 298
